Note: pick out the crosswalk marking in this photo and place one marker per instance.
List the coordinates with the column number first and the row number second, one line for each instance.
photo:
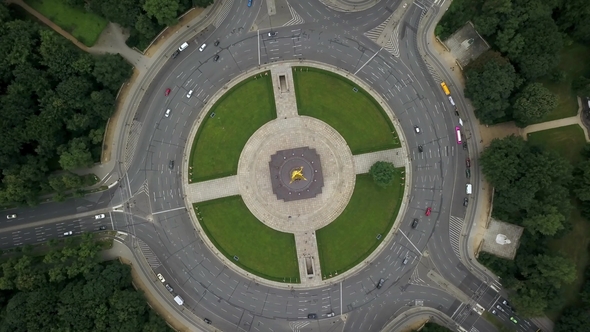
column 455, row 227
column 223, row 15
column 132, row 142
column 149, row 255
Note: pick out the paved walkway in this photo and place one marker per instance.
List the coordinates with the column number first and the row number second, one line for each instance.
column 363, row 162
column 212, row 189
column 283, row 87
column 572, row 120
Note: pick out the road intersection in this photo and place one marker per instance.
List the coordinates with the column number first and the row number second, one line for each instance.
column 148, row 201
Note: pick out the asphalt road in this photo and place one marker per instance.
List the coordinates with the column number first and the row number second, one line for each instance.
column 149, row 203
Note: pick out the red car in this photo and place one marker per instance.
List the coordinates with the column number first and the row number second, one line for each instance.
column 167, row 92
column 428, row 210
column 468, row 162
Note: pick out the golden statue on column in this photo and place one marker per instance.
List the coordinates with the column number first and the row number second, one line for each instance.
column 297, row 175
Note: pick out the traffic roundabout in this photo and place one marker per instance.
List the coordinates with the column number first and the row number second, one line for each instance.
column 296, row 175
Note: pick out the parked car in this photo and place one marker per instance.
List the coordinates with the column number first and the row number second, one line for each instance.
column 207, row 320
column 428, row 211
column 169, row 288
column 167, row 92
column 183, row 46
column 175, row 54
column 202, row 47
column 161, row 277
column 468, row 162
column 465, row 201
column 468, row 173
column 99, row 216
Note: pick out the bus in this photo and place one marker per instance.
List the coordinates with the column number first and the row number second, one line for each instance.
column 445, row 88
column 458, row 134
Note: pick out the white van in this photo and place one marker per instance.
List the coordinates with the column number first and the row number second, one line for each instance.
column 183, row 46
column 468, row 189
column 179, row 300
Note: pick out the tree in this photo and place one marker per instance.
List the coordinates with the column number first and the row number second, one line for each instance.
column 581, row 85
column 573, row 319
column 532, row 104
column 112, row 70
column 383, row 173
column 163, row 10
column 502, row 161
column 490, row 81
column 76, row 155
column 549, row 222
column 146, row 26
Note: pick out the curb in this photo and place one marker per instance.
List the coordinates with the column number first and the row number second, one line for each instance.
column 367, row 261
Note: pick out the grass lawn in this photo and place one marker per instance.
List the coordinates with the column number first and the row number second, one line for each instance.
column 238, row 114
column 84, row 26
column 575, row 246
column 355, row 115
column 352, row 236
column 261, row 250
column 575, row 60
column 568, row 141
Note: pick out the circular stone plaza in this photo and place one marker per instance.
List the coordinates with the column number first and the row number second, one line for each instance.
column 295, row 175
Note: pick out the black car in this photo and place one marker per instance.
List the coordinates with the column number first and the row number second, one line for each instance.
column 171, row 164
column 465, row 201
column 102, row 228
column 207, row 320
column 175, row 54
column 464, row 145
column 415, row 223
column 380, row 283
column 216, row 57
column 216, row 43
column 312, row 316
column 169, row 288
column 420, row 148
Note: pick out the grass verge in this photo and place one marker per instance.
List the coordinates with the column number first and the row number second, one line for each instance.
column 568, row 141
column 238, row 114
column 574, row 61
column 355, row 115
column 371, row 211
column 84, row 26
column 236, row 232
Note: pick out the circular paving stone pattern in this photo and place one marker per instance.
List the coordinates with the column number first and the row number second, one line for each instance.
column 301, row 215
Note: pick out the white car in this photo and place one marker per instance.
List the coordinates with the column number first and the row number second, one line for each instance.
column 11, row 216
column 161, row 277
column 189, row 94
column 331, row 314
column 417, row 129
column 167, row 114
column 67, row 233
column 99, row 216
column 183, row 46
column 202, row 47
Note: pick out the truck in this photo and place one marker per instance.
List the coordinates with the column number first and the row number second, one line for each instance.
column 445, row 88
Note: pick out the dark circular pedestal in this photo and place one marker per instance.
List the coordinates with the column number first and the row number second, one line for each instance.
column 282, row 165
